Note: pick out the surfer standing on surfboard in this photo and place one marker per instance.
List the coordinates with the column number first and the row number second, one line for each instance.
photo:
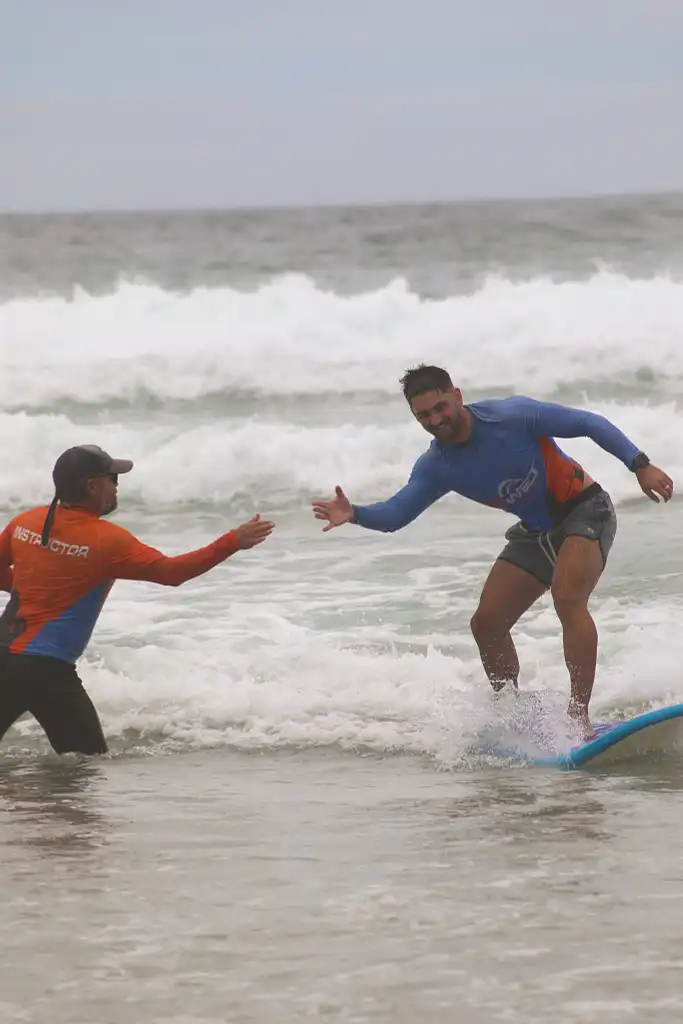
column 59, row 564
column 502, row 453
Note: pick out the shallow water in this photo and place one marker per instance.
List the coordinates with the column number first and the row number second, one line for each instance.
column 291, row 824
column 283, row 886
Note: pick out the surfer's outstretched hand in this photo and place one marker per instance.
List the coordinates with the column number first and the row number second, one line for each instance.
column 335, row 512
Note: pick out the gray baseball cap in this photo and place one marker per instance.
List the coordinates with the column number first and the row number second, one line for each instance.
column 78, row 464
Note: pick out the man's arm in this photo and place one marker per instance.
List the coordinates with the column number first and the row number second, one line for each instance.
column 6, row 571
column 546, row 419
column 133, row 560
column 421, row 491
column 127, row 558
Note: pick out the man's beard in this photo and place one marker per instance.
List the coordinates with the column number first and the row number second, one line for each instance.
column 448, row 430
column 113, row 504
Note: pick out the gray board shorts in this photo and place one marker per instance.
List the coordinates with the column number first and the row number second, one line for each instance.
column 593, row 518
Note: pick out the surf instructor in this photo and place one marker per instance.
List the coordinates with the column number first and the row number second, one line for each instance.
column 59, row 564
column 502, row 453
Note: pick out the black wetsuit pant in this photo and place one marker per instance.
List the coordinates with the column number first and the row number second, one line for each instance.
column 51, row 691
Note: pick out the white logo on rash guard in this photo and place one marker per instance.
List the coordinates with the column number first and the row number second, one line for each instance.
column 512, row 491
column 58, row 546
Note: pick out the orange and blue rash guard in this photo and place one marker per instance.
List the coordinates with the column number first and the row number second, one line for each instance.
column 510, row 461
column 57, row 592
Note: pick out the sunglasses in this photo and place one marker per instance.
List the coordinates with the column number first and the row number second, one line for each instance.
column 114, row 477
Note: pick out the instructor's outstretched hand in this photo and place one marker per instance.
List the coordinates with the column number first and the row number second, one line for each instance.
column 254, row 532
column 335, row 512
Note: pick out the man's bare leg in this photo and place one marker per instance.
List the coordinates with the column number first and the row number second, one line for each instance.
column 508, row 592
column 579, row 567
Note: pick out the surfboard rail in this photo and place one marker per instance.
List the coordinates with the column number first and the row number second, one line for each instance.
column 611, row 734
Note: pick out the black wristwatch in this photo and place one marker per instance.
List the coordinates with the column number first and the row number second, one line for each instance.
column 640, row 461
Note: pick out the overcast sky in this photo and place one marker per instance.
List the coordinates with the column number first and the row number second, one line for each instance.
column 112, row 104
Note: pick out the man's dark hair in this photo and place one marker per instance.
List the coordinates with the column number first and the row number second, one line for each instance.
column 424, row 378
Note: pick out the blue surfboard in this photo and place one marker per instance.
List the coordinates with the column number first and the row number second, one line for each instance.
column 647, row 735
column 651, row 735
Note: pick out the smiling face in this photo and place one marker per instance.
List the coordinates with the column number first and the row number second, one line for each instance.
column 442, row 415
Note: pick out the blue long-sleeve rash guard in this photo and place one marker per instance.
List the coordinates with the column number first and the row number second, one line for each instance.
column 510, row 461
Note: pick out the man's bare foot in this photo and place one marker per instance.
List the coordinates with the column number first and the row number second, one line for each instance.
column 507, row 688
column 579, row 717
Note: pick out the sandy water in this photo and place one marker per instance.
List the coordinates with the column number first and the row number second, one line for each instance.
column 292, row 824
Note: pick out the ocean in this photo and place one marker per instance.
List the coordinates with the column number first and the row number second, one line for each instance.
column 292, row 823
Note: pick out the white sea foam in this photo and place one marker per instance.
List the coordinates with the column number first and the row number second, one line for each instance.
column 282, row 463
column 290, row 337
column 353, row 640
column 224, row 664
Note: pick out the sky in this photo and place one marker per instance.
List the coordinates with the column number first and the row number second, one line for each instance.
column 139, row 104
